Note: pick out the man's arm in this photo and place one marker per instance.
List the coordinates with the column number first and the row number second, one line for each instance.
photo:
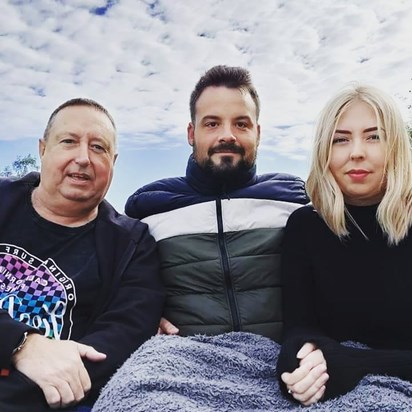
column 56, row 367
column 11, row 333
column 131, row 315
column 129, row 318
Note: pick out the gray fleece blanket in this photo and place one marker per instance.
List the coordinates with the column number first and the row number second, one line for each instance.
column 230, row 372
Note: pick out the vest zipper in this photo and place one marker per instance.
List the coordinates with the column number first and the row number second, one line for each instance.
column 226, row 268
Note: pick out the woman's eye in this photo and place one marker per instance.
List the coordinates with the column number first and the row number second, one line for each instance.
column 339, row 140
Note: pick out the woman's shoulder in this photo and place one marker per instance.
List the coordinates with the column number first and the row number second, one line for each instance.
column 304, row 213
column 306, row 225
column 303, row 217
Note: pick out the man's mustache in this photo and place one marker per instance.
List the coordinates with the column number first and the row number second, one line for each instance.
column 226, row 147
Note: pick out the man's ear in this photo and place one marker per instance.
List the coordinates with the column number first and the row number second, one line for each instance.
column 42, row 147
column 191, row 134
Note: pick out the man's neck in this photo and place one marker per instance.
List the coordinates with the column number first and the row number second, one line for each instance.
column 72, row 215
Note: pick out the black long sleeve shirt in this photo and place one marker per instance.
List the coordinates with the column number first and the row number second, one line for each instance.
column 351, row 289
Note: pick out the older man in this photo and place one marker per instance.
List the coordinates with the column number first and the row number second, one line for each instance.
column 79, row 283
column 220, row 227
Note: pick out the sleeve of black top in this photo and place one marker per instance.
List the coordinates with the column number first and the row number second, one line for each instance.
column 346, row 366
column 298, row 292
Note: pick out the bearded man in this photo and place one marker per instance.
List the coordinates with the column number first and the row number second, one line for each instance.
column 219, row 229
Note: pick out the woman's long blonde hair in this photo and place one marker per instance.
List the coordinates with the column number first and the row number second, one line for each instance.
column 394, row 212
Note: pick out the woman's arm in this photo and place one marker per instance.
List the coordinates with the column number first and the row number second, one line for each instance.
column 307, row 382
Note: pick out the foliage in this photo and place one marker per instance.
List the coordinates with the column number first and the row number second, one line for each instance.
column 21, row 166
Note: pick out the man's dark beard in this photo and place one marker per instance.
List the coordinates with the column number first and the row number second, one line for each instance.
column 227, row 169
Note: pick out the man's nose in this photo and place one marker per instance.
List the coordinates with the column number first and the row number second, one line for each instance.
column 227, row 134
column 82, row 156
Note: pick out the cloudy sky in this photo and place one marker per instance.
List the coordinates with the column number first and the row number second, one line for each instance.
column 141, row 59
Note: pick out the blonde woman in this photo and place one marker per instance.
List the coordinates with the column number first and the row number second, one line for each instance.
column 347, row 262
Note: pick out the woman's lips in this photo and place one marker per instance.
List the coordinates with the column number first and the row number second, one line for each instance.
column 358, row 174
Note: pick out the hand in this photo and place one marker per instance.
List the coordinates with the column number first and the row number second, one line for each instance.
column 167, row 328
column 307, row 382
column 57, row 367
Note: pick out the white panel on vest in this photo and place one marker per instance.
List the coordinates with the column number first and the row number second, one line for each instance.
column 199, row 218
column 247, row 214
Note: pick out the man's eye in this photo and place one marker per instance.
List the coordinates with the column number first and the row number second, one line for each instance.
column 242, row 125
column 211, row 124
column 67, row 141
column 98, row 149
column 374, row 137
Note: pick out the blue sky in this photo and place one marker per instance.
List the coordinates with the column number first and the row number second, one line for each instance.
column 142, row 58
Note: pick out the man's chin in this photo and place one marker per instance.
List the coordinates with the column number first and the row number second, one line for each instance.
column 224, row 163
column 77, row 195
column 225, row 160
column 226, row 168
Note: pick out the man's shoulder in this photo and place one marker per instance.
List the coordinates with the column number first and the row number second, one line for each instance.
column 168, row 184
column 281, row 179
column 276, row 186
column 5, row 183
column 175, row 192
column 31, row 179
column 109, row 216
column 13, row 188
column 158, row 196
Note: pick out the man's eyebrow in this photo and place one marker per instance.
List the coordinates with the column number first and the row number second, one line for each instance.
column 210, row 117
column 67, row 134
column 245, row 117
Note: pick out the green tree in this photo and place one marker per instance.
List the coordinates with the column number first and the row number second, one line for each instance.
column 21, row 166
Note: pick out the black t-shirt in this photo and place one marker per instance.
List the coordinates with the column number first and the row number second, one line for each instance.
column 48, row 273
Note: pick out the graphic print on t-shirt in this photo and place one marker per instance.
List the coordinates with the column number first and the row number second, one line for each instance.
column 36, row 292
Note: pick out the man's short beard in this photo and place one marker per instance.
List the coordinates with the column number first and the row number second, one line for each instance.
column 227, row 169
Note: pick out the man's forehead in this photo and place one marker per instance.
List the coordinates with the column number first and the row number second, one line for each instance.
column 82, row 116
column 212, row 91
column 78, row 118
column 223, row 100
column 85, row 111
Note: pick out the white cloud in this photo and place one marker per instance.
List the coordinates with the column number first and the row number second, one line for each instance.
column 142, row 58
